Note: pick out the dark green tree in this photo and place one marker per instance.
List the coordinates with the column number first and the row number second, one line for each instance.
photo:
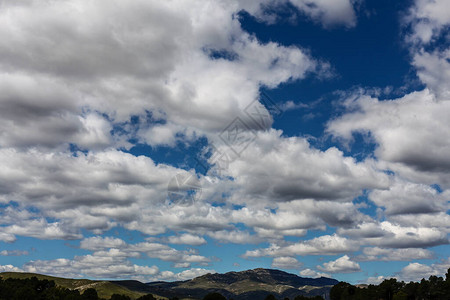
column 340, row 291
column 214, row 296
column 389, row 287
column 90, row 294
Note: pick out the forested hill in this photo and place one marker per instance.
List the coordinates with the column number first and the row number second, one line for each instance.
column 435, row 288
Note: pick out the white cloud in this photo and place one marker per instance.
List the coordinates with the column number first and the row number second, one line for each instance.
column 285, row 169
column 235, row 236
column 7, row 237
column 182, row 265
column 122, row 59
column 13, row 252
column 166, row 253
column 187, row 239
column 329, row 13
column 376, row 280
column 93, row 68
column 97, row 75
column 405, row 237
column 40, row 228
column 90, row 265
column 108, row 264
column 391, row 235
column 313, row 273
column 427, row 18
column 386, row 254
column 84, row 191
column 340, row 265
column 322, row 245
column 99, row 243
column 286, row 262
column 9, row 268
column 409, row 198
column 433, row 69
column 410, row 133
column 438, row 221
column 415, row 271
column 184, row 275
column 364, row 230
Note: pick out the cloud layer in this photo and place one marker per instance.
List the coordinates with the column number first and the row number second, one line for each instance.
column 83, row 84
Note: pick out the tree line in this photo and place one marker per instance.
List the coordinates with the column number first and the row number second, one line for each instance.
column 435, row 288
column 35, row 289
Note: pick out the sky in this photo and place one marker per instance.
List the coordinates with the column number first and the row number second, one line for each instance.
column 163, row 140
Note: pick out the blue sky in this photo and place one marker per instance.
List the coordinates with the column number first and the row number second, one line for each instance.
column 162, row 140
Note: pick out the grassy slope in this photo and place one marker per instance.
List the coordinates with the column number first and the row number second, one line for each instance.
column 105, row 289
column 244, row 286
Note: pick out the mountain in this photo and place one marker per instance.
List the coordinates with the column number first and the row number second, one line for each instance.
column 244, row 285
column 105, row 289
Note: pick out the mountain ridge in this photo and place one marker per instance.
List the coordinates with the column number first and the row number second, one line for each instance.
column 238, row 285
column 104, row 288
column 247, row 284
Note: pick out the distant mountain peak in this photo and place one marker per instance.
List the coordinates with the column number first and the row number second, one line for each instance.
column 267, row 276
column 247, row 285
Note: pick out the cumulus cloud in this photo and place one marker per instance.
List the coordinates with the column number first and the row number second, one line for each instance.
column 105, row 53
column 184, row 275
column 392, row 235
column 117, row 248
column 375, row 280
column 433, row 69
column 98, row 243
column 133, row 75
column 166, row 253
column 427, row 19
column 286, row 262
column 235, row 236
column 329, row 13
column 85, row 191
column 187, row 239
column 313, row 273
column 82, row 82
column 90, row 265
column 415, row 271
column 410, row 133
column 285, row 169
column 13, row 252
column 438, row 221
column 322, row 245
column 7, row 237
column 102, row 264
column 409, row 198
column 10, row 268
column 387, row 254
column 41, row 229
column 340, row 265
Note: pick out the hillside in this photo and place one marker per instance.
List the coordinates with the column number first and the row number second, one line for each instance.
column 105, row 289
column 246, row 285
